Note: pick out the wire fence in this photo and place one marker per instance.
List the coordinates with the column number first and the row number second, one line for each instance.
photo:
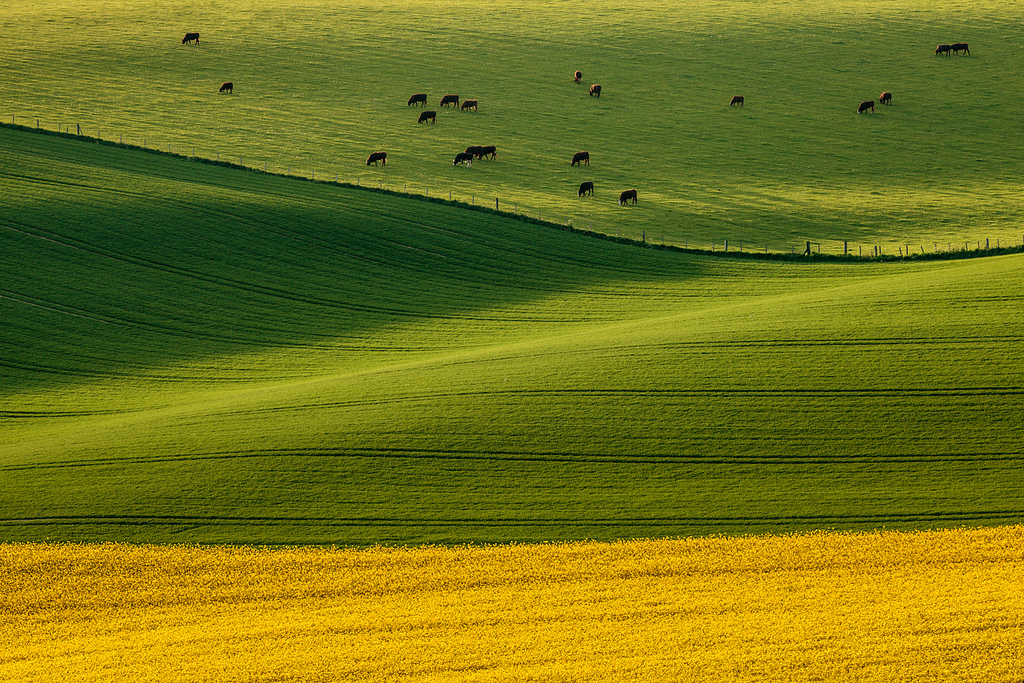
column 830, row 249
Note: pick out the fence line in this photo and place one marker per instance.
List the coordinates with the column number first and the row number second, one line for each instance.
column 718, row 246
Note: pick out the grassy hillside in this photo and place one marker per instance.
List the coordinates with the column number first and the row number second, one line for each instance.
column 319, row 85
column 190, row 352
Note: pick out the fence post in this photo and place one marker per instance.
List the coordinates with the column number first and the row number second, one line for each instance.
column 845, row 251
column 495, row 203
column 726, row 245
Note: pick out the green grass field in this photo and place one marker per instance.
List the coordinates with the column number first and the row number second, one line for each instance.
column 320, row 85
column 197, row 353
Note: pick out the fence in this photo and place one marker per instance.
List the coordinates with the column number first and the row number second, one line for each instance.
column 841, row 249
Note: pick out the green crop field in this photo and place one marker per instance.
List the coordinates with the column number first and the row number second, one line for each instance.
column 190, row 352
column 321, row 84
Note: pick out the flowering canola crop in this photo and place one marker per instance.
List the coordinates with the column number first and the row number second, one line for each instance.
column 884, row 606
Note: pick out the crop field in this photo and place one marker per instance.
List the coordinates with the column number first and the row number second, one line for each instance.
column 321, row 84
column 197, row 353
column 935, row 606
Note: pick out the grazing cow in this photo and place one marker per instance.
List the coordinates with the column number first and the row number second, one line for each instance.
column 465, row 158
column 469, row 104
column 377, row 156
column 737, row 99
column 428, row 116
column 475, row 150
column 488, row 151
column 585, row 188
column 580, row 158
column 229, row 86
column 958, row 47
column 864, row 106
column 450, row 99
column 885, row 98
column 595, row 90
column 189, row 37
column 626, row 196
column 943, row 49
column 420, row 98
column 578, row 76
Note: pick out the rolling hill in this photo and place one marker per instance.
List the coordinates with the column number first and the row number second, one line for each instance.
column 197, row 353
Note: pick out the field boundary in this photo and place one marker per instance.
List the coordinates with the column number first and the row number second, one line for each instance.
column 807, row 253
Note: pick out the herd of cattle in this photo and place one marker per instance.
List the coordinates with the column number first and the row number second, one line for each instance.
column 579, row 158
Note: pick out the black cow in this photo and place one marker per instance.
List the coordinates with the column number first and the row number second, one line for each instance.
column 377, row 156
column 463, row 158
column 943, row 49
column 626, row 196
column 957, row 48
column 585, row 188
column 475, row 150
column 578, row 76
column 580, row 158
column 737, row 99
column 428, row 116
column 469, row 104
column 450, row 99
column 864, row 106
column 420, row 98
column 595, row 90
column 229, row 86
column 885, row 98
column 488, row 151
column 189, row 37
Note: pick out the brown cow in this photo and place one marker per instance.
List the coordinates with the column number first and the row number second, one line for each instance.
column 885, row 98
column 377, row 156
column 428, row 116
column 595, row 90
column 585, row 188
column 578, row 76
column 229, row 86
column 489, row 151
column 465, row 158
column 943, row 49
column 864, row 106
column 580, row 158
column 189, row 37
column 626, row 196
column 420, row 98
column 475, row 150
column 469, row 104
column 450, row 99
column 960, row 47
column 737, row 99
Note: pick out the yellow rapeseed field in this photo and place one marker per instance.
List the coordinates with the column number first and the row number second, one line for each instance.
column 927, row 606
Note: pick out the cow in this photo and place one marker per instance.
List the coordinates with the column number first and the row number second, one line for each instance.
column 469, row 104
column 958, row 47
column 488, row 151
column 189, row 37
column 229, row 86
column 578, row 76
column 595, row 90
column 737, row 99
column 864, row 106
column 580, row 158
column 428, row 116
column 626, row 196
column 885, row 98
column 450, row 99
column 420, row 98
column 377, row 156
column 943, row 49
column 585, row 188
column 465, row 158
column 475, row 150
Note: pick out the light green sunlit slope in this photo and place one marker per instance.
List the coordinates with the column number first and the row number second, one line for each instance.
column 195, row 353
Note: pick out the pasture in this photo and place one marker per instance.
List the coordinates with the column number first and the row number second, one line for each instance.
column 320, row 85
column 193, row 352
